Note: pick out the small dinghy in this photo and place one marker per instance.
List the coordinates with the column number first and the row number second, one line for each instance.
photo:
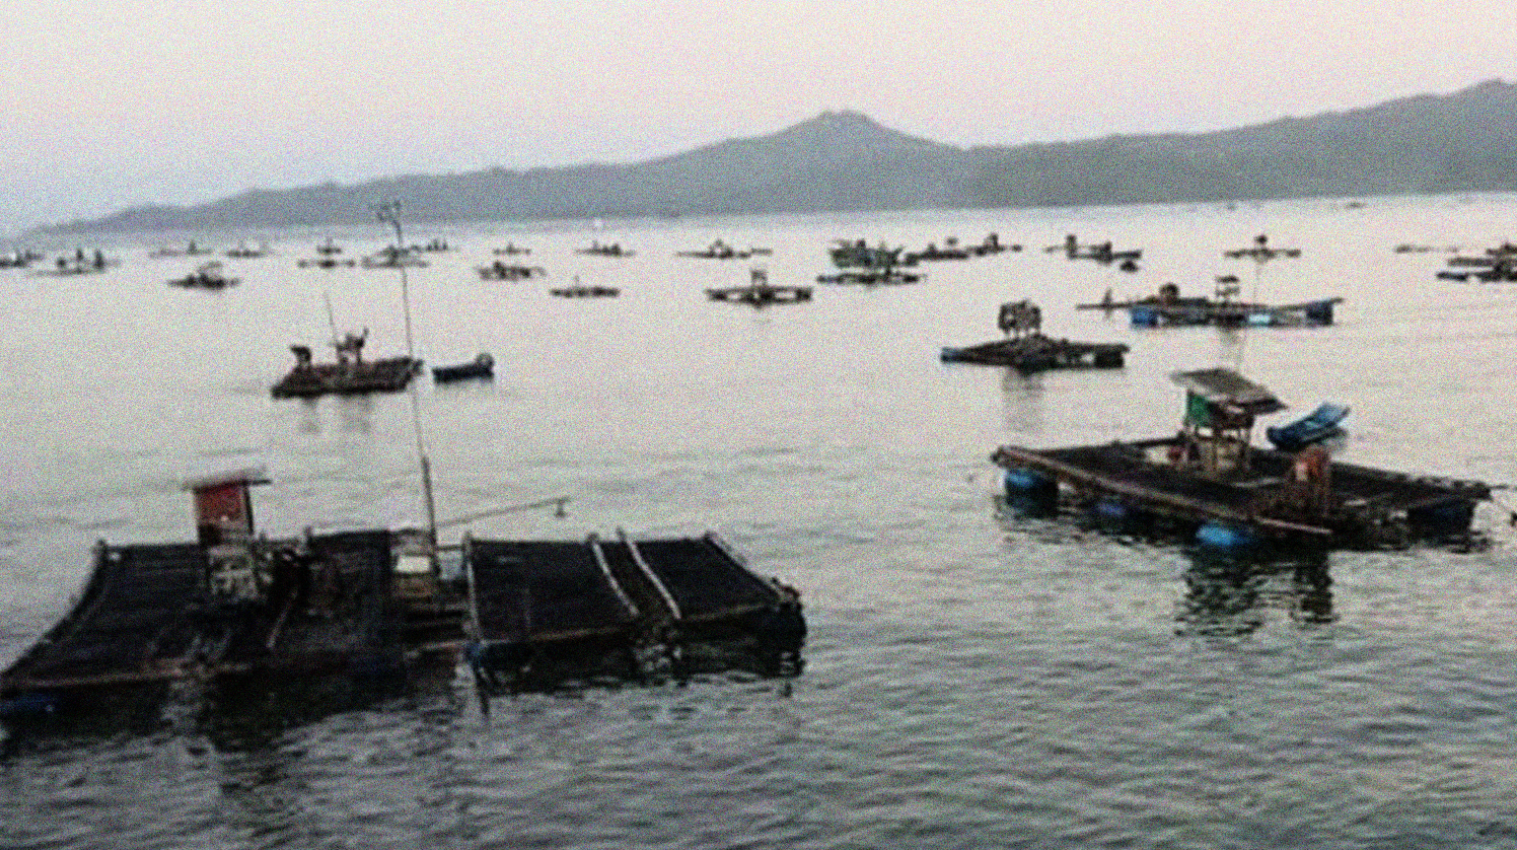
column 1321, row 424
column 482, row 366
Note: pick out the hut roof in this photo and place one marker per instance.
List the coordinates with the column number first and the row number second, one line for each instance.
column 1226, row 387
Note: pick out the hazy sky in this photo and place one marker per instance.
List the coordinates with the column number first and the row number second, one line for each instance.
column 117, row 103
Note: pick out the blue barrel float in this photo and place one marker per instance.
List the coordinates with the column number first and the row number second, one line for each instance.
column 1226, row 537
column 1030, row 491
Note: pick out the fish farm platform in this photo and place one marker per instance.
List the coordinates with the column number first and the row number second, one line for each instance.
column 1341, row 505
column 1036, row 353
column 345, row 604
column 1153, row 312
column 391, row 374
column 538, row 605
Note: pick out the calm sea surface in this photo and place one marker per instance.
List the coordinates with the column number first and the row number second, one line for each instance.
column 973, row 679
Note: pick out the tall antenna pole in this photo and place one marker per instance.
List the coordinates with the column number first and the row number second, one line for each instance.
column 389, row 213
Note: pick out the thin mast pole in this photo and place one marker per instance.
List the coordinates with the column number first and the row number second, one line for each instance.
column 389, row 212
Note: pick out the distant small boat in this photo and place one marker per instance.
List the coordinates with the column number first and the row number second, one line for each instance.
column 391, row 257
column 328, row 256
column 207, row 276
column 613, row 249
column 244, row 251
column 586, row 292
column 18, row 259
column 482, row 366
column 720, row 250
column 506, row 271
column 190, row 249
column 871, row 278
column 761, row 292
column 1170, row 308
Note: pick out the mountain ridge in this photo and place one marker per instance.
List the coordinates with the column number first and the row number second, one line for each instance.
column 845, row 161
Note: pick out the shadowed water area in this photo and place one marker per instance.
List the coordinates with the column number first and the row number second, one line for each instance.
column 973, row 677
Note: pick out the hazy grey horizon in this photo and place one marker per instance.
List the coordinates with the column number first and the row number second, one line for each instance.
column 181, row 101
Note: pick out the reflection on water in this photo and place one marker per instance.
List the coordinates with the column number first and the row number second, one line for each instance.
column 1227, row 595
column 355, row 414
column 1022, row 396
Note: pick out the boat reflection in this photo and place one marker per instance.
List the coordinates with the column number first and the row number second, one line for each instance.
column 1227, row 595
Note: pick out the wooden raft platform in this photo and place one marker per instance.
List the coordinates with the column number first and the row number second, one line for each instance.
column 540, row 605
column 388, row 375
column 1360, row 507
column 1036, row 353
column 149, row 614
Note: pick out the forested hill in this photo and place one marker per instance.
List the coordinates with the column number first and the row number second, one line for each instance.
column 844, row 161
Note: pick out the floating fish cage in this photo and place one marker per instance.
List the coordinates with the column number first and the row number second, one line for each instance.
column 1229, row 494
column 622, row 609
column 374, row 605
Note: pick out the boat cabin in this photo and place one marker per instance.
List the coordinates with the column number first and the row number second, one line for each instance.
column 1218, row 424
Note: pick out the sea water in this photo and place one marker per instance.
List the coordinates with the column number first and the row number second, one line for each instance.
column 973, row 678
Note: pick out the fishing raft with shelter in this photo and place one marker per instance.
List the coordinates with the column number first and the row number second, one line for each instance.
column 1026, row 349
column 1211, row 480
column 236, row 607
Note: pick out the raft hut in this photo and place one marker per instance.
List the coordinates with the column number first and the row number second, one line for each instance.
column 1026, row 349
column 1211, row 480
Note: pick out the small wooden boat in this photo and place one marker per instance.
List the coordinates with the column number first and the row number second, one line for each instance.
column 482, row 366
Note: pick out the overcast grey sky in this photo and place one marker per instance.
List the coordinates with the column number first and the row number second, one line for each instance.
column 117, row 103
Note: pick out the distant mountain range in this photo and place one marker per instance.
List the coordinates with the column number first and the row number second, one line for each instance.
column 844, row 161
